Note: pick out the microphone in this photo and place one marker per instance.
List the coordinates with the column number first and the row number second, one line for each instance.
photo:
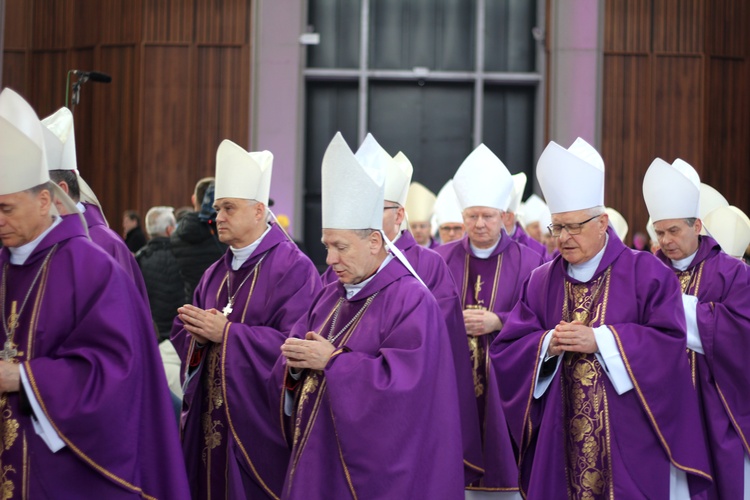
column 94, row 76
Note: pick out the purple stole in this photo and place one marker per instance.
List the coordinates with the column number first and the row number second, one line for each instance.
column 585, row 407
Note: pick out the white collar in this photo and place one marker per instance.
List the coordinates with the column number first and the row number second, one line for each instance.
column 484, row 253
column 352, row 290
column 585, row 271
column 683, row 264
column 242, row 254
column 19, row 255
column 515, row 228
column 81, row 207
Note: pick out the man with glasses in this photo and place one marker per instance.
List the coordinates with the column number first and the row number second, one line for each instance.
column 489, row 269
column 596, row 388
column 716, row 298
column 420, row 204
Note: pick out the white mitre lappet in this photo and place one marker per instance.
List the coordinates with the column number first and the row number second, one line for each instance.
column 671, row 191
column 617, row 222
column 571, row 179
column 730, row 227
column 482, row 180
column 60, row 145
column 420, row 203
column 243, row 175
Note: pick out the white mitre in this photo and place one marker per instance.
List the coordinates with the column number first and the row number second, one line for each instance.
column 571, row 179
column 243, row 175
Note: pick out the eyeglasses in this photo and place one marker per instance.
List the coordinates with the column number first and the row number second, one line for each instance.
column 572, row 229
column 451, row 229
column 391, row 208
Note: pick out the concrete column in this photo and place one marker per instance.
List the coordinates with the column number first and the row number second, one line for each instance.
column 277, row 91
column 575, row 71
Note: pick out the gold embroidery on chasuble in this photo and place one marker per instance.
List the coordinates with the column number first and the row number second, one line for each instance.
column 585, row 408
column 690, row 283
column 478, row 345
column 213, row 428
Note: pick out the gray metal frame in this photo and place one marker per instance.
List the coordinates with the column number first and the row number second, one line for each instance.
column 478, row 77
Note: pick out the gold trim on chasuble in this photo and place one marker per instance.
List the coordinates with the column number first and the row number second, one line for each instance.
column 477, row 349
column 690, row 285
column 316, row 382
column 35, row 389
column 584, row 396
column 9, row 426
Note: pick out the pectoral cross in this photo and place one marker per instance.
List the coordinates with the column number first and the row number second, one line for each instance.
column 477, row 289
column 13, row 320
column 227, row 309
column 9, row 351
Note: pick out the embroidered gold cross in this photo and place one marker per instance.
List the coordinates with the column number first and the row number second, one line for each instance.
column 477, row 289
column 13, row 320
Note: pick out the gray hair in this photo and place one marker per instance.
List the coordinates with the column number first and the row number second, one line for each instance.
column 595, row 211
column 158, row 220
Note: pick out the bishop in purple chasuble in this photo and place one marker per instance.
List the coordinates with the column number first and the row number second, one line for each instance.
column 492, row 284
column 231, row 439
column 720, row 375
column 433, row 271
column 382, row 419
column 86, row 344
column 580, row 439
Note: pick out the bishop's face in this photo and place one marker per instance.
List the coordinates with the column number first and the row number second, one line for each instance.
column 239, row 222
column 421, row 232
column 23, row 217
column 535, row 231
column 676, row 238
column 581, row 247
column 483, row 224
column 352, row 257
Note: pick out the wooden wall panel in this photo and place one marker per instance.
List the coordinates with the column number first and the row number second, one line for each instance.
column 114, row 170
column 17, row 25
column 47, row 87
column 222, row 76
column 678, row 113
column 222, row 21
column 86, row 30
column 727, row 22
column 627, row 26
column 678, row 26
column 727, row 158
column 626, row 135
column 15, row 70
column 120, row 21
column 167, row 144
column 168, row 20
column 52, row 21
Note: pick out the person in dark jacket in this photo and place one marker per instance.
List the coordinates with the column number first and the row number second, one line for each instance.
column 195, row 244
column 164, row 286
column 160, row 271
column 132, row 232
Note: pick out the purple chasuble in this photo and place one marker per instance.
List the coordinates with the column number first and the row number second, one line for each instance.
column 112, row 244
column 722, row 285
column 382, row 419
column 438, row 279
column 88, row 350
column 522, row 237
column 232, row 440
column 433, row 243
column 492, row 284
column 653, row 424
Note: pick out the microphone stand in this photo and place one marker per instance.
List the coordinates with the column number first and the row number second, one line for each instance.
column 75, row 93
